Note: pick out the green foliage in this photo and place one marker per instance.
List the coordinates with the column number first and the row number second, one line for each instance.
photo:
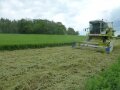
column 71, row 31
column 107, row 80
column 35, row 26
column 21, row 41
column 118, row 36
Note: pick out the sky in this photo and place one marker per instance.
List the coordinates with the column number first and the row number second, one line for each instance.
column 72, row 13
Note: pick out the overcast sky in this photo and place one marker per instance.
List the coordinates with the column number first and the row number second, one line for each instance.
column 72, row 13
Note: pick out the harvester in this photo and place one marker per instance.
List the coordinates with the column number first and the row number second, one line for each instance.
column 100, row 35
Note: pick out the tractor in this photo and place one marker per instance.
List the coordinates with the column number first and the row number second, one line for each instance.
column 100, row 35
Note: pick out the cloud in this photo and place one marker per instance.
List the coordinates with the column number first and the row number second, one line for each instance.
column 72, row 13
column 115, row 14
column 115, row 17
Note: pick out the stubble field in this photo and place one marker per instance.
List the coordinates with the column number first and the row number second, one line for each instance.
column 56, row 68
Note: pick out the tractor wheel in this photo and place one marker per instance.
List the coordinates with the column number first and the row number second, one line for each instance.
column 109, row 49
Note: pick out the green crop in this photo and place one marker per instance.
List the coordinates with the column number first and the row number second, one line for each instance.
column 20, row 41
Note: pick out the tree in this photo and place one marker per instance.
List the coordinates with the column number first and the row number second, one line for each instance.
column 118, row 36
column 71, row 31
column 76, row 33
column 35, row 26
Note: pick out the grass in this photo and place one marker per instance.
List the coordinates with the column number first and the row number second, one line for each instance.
column 21, row 41
column 107, row 80
column 57, row 68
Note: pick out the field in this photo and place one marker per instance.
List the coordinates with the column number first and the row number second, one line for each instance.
column 21, row 41
column 106, row 80
column 52, row 68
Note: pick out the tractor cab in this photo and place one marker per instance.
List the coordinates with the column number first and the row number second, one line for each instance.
column 98, row 27
column 100, row 30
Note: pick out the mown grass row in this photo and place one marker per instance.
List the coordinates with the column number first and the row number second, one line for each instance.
column 23, row 41
column 107, row 80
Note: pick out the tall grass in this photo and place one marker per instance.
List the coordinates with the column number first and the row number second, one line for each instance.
column 21, row 41
column 107, row 80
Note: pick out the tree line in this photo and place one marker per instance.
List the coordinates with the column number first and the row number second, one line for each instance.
column 35, row 26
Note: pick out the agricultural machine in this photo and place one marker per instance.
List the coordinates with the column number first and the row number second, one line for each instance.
column 100, row 35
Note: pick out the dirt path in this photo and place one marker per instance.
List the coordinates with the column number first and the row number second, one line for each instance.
column 58, row 68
